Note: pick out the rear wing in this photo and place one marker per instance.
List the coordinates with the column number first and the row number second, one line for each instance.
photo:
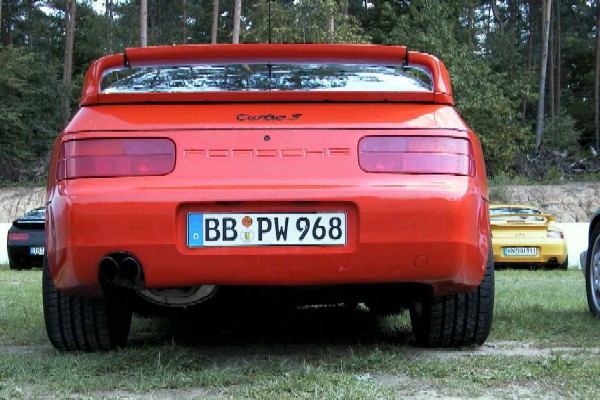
column 190, row 55
column 520, row 219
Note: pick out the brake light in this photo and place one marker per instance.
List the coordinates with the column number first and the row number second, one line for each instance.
column 416, row 155
column 116, row 157
column 17, row 236
column 554, row 234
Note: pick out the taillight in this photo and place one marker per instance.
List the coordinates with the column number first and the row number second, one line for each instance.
column 554, row 234
column 18, row 236
column 115, row 157
column 416, row 155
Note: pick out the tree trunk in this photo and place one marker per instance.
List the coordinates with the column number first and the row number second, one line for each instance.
column 331, row 23
column 557, row 53
column 539, row 131
column 530, row 40
column 471, row 19
column 185, row 17
column 513, row 19
column 597, row 84
column 31, row 33
column 237, row 14
column 1, row 21
column 496, row 15
column 9, row 36
column 215, row 22
column 488, row 19
column 70, row 9
column 144, row 23
column 551, row 56
column 110, row 16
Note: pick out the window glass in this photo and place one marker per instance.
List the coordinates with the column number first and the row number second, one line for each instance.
column 267, row 77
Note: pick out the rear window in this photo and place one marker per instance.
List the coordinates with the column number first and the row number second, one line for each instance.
column 267, row 77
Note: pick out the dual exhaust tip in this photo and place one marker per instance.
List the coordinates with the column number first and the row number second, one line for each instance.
column 122, row 269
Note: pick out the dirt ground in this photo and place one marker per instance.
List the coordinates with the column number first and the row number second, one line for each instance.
column 406, row 387
column 16, row 201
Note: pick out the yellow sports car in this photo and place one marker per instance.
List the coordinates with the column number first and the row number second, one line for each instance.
column 522, row 235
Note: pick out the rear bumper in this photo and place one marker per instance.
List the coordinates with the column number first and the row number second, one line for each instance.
column 20, row 257
column 421, row 231
column 549, row 250
column 19, row 254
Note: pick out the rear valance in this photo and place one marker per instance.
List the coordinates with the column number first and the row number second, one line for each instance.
column 190, row 55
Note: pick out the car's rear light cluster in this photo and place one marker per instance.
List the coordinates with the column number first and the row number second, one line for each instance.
column 18, row 236
column 417, row 155
column 555, row 234
column 108, row 157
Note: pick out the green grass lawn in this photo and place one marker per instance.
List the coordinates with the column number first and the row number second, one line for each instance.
column 544, row 343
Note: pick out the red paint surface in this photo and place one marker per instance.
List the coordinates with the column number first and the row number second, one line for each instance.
column 309, row 163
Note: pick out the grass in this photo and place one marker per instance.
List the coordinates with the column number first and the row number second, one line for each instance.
column 544, row 343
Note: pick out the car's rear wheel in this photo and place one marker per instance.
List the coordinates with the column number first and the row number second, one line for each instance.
column 79, row 323
column 592, row 276
column 461, row 319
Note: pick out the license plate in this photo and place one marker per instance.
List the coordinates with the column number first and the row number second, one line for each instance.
column 266, row 229
column 37, row 250
column 520, row 251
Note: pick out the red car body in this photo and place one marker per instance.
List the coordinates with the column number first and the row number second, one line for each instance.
column 268, row 152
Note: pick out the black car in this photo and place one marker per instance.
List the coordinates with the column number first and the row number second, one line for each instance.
column 26, row 242
column 590, row 261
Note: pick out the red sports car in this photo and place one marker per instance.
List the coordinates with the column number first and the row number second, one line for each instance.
column 332, row 173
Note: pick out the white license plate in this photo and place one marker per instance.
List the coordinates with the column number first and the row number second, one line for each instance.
column 37, row 250
column 520, row 251
column 266, row 229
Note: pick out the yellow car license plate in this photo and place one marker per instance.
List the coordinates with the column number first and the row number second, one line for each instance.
column 520, row 251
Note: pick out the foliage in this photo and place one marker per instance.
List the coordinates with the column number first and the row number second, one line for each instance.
column 561, row 133
column 493, row 59
column 489, row 106
column 302, row 22
column 30, row 112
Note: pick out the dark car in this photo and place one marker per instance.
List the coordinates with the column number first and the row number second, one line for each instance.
column 26, row 242
column 591, row 265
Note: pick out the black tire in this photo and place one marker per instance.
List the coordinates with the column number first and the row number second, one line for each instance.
column 462, row 319
column 79, row 323
column 592, row 272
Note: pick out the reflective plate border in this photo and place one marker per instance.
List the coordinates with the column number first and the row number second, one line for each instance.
column 196, row 238
column 515, row 251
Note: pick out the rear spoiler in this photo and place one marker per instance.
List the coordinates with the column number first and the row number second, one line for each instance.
column 187, row 55
column 526, row 218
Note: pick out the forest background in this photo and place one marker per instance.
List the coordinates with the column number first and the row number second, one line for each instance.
column 525, row 73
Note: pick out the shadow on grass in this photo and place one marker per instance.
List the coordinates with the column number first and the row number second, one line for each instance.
column 337, row 326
